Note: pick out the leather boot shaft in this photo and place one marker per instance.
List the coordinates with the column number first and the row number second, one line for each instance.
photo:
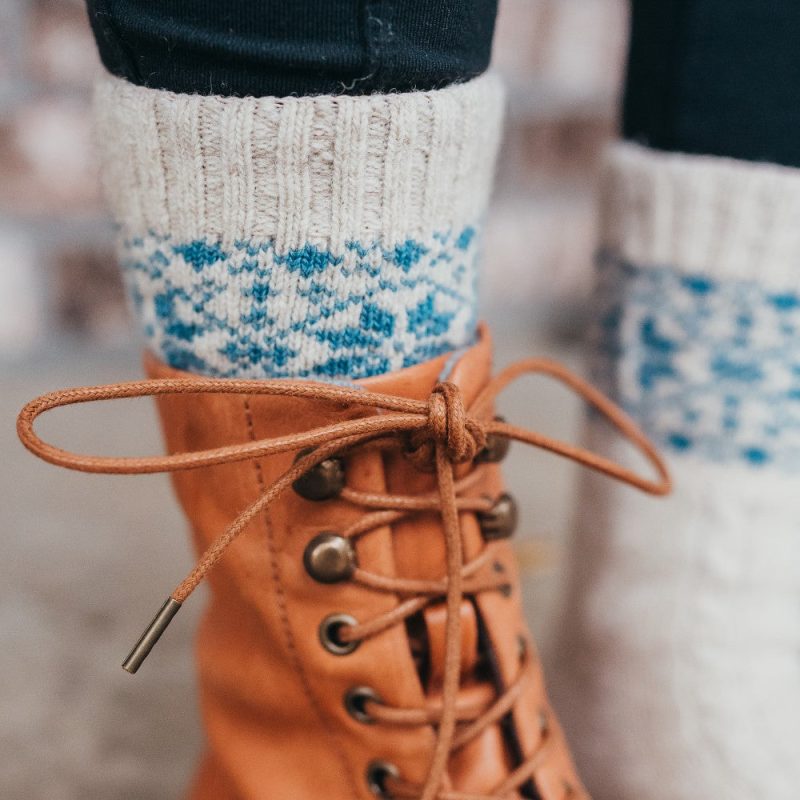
column 282, row 709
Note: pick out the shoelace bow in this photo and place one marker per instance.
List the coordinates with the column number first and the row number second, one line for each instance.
column 438, row 433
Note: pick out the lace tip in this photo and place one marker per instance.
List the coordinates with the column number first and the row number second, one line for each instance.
column 151, row 635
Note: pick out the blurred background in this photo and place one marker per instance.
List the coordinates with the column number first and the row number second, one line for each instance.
column 85, row 559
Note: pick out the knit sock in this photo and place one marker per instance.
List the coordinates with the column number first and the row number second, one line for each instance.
column 324, row 237
column 678, row 672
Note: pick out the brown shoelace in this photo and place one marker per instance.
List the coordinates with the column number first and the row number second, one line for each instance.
column 438, row 434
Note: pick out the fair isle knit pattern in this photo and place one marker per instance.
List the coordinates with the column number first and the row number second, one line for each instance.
column 248, row 311
column 710, row 367
column 323, row 237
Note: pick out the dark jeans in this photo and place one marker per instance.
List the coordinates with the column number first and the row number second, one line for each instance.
column 283, row 47
column 718, row 77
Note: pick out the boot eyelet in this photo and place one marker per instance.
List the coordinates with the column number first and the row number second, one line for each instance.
column 544, row 723
column 329, row 634
column 322, row 482
column 496, row 447
column 377, row 773
column 329, row 558
column 500, row 521
column 355, row 701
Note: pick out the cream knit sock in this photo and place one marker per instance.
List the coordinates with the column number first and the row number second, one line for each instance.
column 322, row 237
column 678, row 674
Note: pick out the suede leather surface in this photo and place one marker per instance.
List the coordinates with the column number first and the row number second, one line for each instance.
column 271, row 695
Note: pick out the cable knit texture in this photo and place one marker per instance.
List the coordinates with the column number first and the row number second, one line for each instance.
column 678, row 669
column 324, row 237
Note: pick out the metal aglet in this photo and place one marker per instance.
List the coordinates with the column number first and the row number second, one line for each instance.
column 151, row 635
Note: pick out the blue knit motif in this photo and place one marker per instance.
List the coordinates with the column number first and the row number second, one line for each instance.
column 709, row 367
column 246, row 310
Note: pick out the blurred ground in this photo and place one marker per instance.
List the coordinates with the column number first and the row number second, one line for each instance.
column 86, row 559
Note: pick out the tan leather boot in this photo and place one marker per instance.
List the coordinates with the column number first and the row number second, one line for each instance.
column 365, row 633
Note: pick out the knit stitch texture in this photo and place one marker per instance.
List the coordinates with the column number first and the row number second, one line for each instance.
column 249, row 311
column 324, row 237
column 709, row 366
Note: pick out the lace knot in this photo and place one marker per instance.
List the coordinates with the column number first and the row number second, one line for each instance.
column 449, row 424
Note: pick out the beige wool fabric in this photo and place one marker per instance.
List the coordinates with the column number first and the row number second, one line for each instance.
column 701, row 214
column 326, row 237
column 298, row 169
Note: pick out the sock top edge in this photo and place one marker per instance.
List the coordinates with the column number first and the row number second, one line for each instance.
column 487, row 84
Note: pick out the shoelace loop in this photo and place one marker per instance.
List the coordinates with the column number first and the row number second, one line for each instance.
column 462, row 436
column 441, row 434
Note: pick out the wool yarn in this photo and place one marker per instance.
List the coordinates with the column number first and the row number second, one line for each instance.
column 328, row 237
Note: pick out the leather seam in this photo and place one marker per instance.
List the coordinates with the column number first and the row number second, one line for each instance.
column 283, row 613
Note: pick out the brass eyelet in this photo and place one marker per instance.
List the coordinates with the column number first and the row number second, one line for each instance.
column 329, row 558
column 329, row 634
column 500, row 521
column 322, row 482
column 377, row 773
column 496, row 447
column 355, row 701
column 544, row 723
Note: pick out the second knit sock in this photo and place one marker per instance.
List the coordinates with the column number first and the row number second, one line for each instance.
column 679, row 665
column 325, row 237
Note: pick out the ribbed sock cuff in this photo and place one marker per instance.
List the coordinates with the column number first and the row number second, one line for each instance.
column 720, row 217
column 324, row 169
column 330, row 237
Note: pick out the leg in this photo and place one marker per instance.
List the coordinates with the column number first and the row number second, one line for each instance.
column 680, row 649
column 300, row 195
